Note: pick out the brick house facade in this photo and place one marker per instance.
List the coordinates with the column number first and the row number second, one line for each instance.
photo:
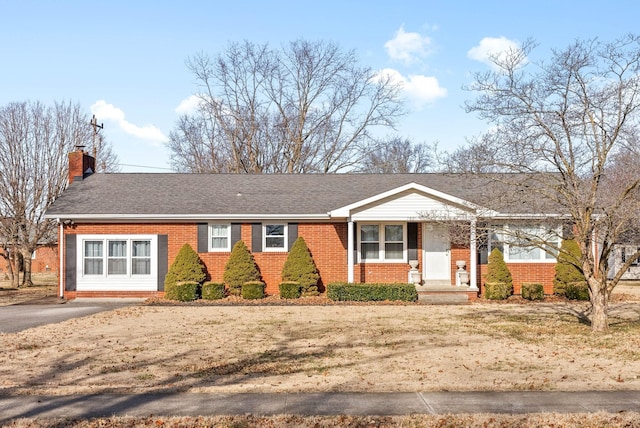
column 119, row 232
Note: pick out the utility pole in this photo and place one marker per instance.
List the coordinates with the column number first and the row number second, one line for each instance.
column 96, row 127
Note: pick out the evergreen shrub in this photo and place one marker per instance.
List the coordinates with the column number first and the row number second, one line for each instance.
column 498, row 282
column 532, row 291
column 187, row 267
column 289, row 290
column 301, row 268
column 578, row 290
column 253, row 290
column 567, row 267
column 213, row 290
column 240, row 268
column 184, row 291
column 344, row 291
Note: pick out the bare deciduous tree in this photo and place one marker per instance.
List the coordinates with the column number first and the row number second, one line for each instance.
column 308, row 107
column 34, row 142
column 569, row 117
column 399, row 155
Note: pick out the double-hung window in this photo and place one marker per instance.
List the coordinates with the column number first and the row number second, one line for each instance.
column 382, row 242
column 219, row 237
column 275, row 237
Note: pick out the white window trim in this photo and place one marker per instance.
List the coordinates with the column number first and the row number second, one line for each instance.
column 381, row 242
column 505, row 246
column 264, row 238
column 210, row 238
column 105, row 239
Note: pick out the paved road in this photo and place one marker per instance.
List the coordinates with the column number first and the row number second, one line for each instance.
column 20, row 317
column 320, row 404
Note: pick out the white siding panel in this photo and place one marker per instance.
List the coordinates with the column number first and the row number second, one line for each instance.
column 406, row 206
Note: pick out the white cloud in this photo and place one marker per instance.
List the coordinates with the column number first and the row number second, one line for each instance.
column 417, row 88
column 408, row 47
column 492, row 47
column 109, row 112
column 188, row 105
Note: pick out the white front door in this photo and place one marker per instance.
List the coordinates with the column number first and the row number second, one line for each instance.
column 437, row 254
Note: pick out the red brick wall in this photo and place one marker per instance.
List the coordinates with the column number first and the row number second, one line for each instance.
column 46, row 260
column 542, row 273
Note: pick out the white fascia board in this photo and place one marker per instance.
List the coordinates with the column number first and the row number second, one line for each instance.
column 187, row 217
column 346, row 210
column 506, row 216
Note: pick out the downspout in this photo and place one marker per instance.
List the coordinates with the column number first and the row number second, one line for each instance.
column 61, row 268
column 350, row 250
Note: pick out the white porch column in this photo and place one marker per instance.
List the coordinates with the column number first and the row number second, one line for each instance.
column 473, row 258
column 350, row 249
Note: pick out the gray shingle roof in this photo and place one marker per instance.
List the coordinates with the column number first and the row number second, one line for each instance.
column 136, row 194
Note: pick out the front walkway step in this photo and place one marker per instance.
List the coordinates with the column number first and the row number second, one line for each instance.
column 443, row 298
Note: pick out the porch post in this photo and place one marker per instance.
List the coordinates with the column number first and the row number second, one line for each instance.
column 473, row 258
column 350, row 248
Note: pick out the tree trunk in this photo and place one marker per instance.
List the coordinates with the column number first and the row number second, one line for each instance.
column 15, row 268
column 599, row 303
column 26, row 266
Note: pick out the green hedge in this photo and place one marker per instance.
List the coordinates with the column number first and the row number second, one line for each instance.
column 578, row 290
column 290, row 289
column 497, row 290
column 344, row 291
column 182, row 291
column 253, row 290
column 532, row 291
column 213, row 290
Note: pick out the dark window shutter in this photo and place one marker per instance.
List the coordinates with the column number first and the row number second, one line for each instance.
column 256, row 238
column 70, row 244
column 163, row 259
column 236, row 230
column 356, row 239
column 412, row 241
column 203, row 237
column 292, row 234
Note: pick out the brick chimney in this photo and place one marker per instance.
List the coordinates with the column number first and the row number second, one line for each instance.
column 81, row 164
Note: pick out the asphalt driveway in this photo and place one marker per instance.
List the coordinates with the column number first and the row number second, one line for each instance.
column 20, row 317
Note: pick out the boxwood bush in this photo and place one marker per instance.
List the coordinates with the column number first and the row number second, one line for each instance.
column 290, row 289
column 578, row 290
column 344, row 291
column 183, row 291
column 213, row 290
column 497, row 290
column 532, row 291
column 253, row 290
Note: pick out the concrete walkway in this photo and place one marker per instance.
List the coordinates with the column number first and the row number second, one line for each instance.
column 320, row 404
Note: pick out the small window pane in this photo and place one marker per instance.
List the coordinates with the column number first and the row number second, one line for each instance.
column 369, row 233
column 141, row 249
column 141, row 266
column 117, row 266
column 93, row 248
column 117, row 248
column 370, row 251
column 93, row 266
column 274, row 229
column 219, row 243
column 393, row 251
column 274, row 242
column 393, row 233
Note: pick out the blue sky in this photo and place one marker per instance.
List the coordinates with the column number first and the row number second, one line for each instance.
column 125, row 60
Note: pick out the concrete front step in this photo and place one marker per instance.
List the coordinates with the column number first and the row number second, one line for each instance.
column 440, row 298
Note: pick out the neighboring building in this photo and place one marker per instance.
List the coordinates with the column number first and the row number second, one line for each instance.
column 619, row 258
column 119, row 232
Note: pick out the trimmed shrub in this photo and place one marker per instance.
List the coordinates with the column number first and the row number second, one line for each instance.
column 240, row 268
column 253, row 290
column 187, row 267
column 183, row 291
column 578, row 290
column 532, row 291
column 213, row 290
column 567, row 267
column 301, row 268
column 497, row 290
column 289, row 290
column 344, row 291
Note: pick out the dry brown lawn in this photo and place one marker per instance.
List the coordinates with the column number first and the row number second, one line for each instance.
column 228, row 348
